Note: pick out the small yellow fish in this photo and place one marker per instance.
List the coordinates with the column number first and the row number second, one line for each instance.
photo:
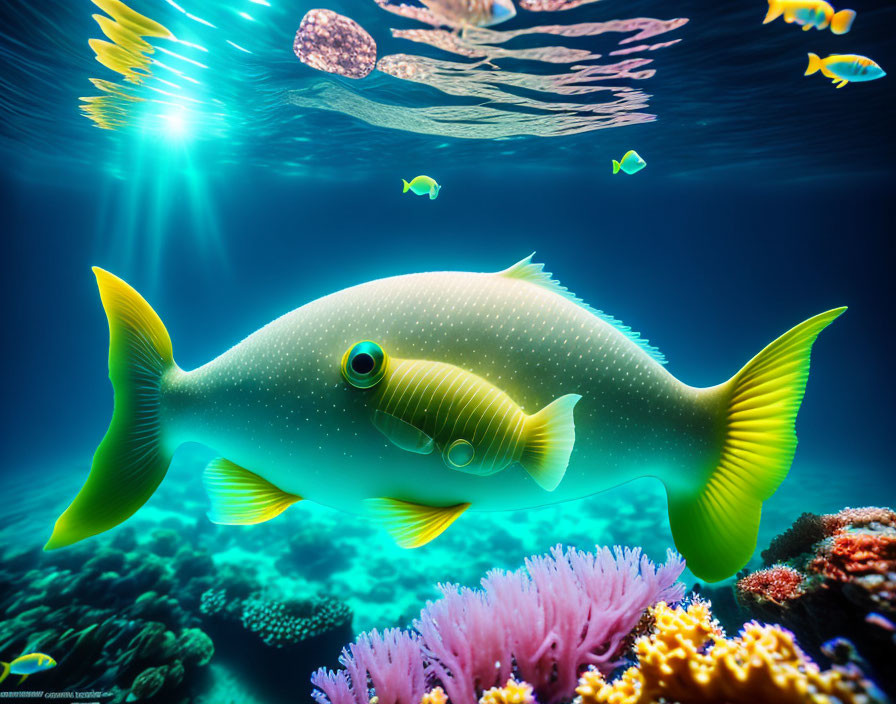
column 25, row 665
column 421, row 406
column 810, row 13
column 631, row 163
column 421, row 186
column 845, row 68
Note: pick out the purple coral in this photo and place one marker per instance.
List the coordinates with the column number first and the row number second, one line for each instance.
column 544, row 623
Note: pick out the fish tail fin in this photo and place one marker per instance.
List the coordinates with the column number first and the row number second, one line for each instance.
column 842, row 21
column 775, row 9
column 407, row 186
column 5, row 666
column 616, row 166
column 715, row 523
column 133, row 457
column 550, row 436
column 814, row 64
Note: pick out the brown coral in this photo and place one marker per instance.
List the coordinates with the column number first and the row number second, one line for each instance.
column 777, row 584
column 687, row 659
column 858, row 517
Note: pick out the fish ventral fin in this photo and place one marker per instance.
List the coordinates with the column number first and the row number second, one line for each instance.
column 413, row 525
column 534, row 273
column 715, row 525
column 550, row 437
column 240, row 497
column 133, row 457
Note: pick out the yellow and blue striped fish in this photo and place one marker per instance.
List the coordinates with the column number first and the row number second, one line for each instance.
column 25, row 665
column 845, row 68
column 422, row 405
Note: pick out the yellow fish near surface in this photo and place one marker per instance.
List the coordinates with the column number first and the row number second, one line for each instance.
column 845, row 68
column 810, row 13
column 422, row 185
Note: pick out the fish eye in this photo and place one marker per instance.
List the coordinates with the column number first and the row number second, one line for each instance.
column 364, row 364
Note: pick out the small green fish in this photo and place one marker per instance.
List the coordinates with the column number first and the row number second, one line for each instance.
column 421, row 186
column 25, row 665
column 631, row 163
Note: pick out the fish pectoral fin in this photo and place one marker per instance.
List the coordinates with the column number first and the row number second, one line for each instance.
column 550, row 437
column 240, row 497
column 413, row 525
column 403, row 434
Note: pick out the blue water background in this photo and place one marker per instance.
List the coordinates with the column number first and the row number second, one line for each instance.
column 768, row 198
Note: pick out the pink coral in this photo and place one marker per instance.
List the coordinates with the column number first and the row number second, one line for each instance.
column 543, row 624
column 778, row 584
column 391, row 663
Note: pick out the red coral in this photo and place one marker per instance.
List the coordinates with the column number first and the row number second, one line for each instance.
column 776, row 584
column 849, row 555
column 857, row 517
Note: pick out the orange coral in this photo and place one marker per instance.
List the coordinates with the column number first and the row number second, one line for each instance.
column 688, row 659
column 855, row 554
column 777, row 584
column 511, row 693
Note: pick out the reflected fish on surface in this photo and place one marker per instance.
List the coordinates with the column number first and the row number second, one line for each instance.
column 294, row 417
column 476, row 13
column 631, row 163
column 845, row 68
column 421, row 186
column 25, row 665
column 809, row 14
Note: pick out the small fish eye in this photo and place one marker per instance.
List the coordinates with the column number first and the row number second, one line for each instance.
column 364, row 364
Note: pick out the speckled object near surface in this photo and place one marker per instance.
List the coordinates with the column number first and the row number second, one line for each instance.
column 334, row 43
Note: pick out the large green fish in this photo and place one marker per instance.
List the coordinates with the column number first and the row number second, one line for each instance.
column 417, row 398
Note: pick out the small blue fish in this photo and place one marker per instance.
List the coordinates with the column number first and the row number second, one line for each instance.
column 631, row 163
column 27, row 664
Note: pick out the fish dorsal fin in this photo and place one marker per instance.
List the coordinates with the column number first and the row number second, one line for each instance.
column 240, row 497
column 413, row 525
column 534, row 273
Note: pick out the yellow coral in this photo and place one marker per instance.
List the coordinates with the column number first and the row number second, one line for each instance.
column 511, row 693
column 435, row 696
column 687, row 659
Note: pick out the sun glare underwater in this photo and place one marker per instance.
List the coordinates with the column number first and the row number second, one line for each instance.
column 448, row 352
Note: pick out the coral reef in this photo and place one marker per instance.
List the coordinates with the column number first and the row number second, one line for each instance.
column 833, row 577
column 542, row 624
column 278, row 623
column 132, row 616
column 777, row 584
column 511, row 693
column 687, row 658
